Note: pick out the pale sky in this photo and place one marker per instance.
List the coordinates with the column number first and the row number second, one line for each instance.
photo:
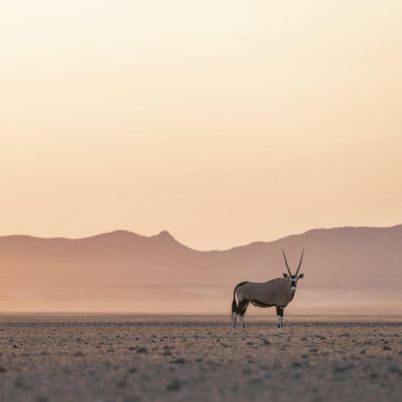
column 224, row 122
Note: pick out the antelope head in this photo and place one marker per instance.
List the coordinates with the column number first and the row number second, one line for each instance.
column 293, row 278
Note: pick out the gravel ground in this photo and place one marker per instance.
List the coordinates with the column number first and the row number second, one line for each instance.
column 126, row 359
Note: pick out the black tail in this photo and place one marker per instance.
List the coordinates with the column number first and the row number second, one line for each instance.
column 234, row 304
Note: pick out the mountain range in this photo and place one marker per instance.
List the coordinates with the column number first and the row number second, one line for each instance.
column 348, row 270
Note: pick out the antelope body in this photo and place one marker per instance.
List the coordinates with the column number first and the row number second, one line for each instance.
column 277, row 293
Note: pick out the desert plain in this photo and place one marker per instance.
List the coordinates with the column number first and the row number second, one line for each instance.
column 187, row 358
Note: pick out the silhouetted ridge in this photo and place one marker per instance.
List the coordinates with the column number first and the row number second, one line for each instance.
column 130, row 271
column 165, row 235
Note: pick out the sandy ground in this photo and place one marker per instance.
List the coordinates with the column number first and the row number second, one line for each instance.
column 198, row 359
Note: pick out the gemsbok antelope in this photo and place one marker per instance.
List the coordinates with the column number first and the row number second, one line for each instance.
column 278, row 292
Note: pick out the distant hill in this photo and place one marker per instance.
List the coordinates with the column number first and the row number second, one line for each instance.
column 347, row 270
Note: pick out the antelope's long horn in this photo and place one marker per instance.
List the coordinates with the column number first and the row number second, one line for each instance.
column 286, row 262
column 301, row 259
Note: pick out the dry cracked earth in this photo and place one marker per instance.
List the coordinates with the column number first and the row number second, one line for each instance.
column 133, row 359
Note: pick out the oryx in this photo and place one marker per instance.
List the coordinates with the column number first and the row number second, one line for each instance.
column 277, row 292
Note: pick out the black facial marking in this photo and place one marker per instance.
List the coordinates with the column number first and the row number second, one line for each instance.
column 293, row 281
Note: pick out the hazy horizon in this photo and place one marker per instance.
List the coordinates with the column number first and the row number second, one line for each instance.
column 349, row 271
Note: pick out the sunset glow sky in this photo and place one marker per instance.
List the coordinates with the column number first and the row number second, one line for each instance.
column 224, row 122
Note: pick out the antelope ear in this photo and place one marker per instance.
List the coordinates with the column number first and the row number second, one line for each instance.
column 301, row 276
column 285, row 275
